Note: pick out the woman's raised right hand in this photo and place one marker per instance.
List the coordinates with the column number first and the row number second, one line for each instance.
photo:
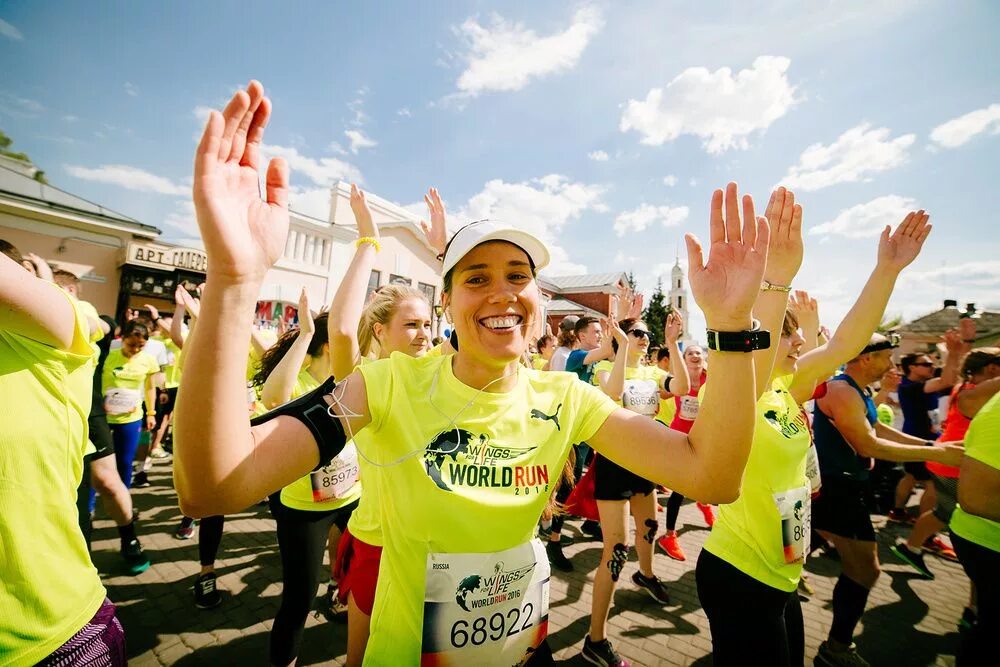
column 243, row 233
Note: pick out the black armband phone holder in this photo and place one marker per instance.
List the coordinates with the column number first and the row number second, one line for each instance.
column 312, row 410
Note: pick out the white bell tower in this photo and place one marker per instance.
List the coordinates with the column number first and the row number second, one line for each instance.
column 679, row 296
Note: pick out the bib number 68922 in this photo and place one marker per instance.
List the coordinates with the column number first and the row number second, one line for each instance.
column 495, row 628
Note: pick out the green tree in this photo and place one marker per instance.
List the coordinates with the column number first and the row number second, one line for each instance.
column 5, row 144
column 655, row 314
column 630, row 279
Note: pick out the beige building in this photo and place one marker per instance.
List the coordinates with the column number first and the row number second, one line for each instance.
column 123, row 264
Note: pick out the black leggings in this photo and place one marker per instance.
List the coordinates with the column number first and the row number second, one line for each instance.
column 982, row 566
column 209, row 539
column 302, row 538
column 748, row 618
column 674, row 503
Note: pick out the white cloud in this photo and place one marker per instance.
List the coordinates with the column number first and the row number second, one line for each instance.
column 357, row 107
column 19, row 107
column 131, row 89
column 314, row 202
column 201, row 113
column 856, row 154
column 70, row 118
column 644, row 215
column 323, row 171
column 543, row 206
column 958, row 131
column 506, row 56
column 9, row 31
column 720, row 107
column 359, row 140
column 182, row 220
column 598, row 156
column 919, row 292
column 404, row 112
column 693, row 182
column 867, row 220
column 131, row 178
column 670, row 180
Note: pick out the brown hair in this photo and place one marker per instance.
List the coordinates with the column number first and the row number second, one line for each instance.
column 790, row 324
column 545, row 341
column 8, row 248
column 978, row 359
column 64, row 278
column 274, row 354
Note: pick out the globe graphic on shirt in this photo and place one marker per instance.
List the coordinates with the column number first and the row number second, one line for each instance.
column 447, row 445
column 466, row 586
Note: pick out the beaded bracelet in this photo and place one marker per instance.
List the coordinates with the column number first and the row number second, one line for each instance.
column 368, row 239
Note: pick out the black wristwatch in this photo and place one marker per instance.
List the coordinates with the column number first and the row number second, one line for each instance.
column 739, row 341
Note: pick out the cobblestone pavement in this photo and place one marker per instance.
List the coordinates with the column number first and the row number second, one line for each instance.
column 910, row 621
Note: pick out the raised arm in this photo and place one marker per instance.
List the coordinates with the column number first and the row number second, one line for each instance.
column 221, row 466
column 613, row 383
column 708, row 463
column 177, row 323
column 957, row 348
column 845, row 408
column 34, row 308
column 436, row 233
column 784, row 258
column 349, row 301
column 895, row 252
column 280, row 383
column 679, row 383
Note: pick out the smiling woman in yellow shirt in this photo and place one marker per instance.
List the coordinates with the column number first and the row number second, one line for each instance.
column 469, row 443
column 52, row 604
column 127, row 382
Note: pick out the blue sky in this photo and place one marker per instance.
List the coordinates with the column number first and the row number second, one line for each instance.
column 601, row 126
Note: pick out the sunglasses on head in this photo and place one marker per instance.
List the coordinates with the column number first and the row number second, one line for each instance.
column 639, row 333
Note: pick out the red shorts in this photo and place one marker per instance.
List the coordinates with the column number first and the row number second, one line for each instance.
column 356, row 571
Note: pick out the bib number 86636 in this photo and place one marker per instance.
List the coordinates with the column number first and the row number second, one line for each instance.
column 495, row 628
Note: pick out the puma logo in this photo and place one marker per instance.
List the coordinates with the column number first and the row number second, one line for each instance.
column 538, row 414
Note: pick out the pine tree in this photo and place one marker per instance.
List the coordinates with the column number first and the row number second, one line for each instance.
column 630, row 279
column 655, row 315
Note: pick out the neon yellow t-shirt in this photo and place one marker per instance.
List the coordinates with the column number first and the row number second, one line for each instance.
column 90, row 312
column 982, row 443
column 172, row 371
column 332, row 482
column 51, row 588
column 765, row 533
column 364, row 523
column 470, row 473
column 124, row 385
column 641, row 390
column 538, row 362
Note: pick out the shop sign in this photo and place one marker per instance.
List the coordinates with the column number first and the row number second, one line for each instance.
column 166, row 257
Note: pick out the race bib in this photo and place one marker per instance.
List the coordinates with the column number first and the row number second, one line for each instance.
column 812, row 471
column 487, row 608
column 689, row 408
column 641, row 396
column 336, row 479
column 796, row 522
column 121, row 401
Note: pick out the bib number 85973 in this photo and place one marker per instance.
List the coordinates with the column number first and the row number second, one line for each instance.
column 495, row 628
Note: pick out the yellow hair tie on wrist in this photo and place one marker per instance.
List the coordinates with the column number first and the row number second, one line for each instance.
column 368, row 239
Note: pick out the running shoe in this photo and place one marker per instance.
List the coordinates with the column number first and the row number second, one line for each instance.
column 185, row 531
column 592, row 529
column 206, row 593
column 900, row 516
column 557, row 558
column 159, row 453
column 330, row 607
column 914, row 559
column 140, row 480
column 968, row 620
column 935, row 545
column 847, row 658
column 653, row 586
column 706, row 511
column 671, row 546
column 135, row 559
column 602, row 653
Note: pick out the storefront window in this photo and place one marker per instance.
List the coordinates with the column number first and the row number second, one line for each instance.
column 428, row 291
column 373, row 281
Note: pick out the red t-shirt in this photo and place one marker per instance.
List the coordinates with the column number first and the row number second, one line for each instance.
column 687, row 408
column 955, row 426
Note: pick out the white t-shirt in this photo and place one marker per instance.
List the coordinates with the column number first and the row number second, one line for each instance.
column 153, row 348
column 558, row 361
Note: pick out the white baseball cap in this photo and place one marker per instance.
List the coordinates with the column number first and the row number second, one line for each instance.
column 476, row 233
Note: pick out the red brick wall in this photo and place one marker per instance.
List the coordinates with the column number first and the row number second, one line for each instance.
column 594, row 300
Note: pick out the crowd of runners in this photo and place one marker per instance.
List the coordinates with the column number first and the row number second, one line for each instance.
column 437, row 474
